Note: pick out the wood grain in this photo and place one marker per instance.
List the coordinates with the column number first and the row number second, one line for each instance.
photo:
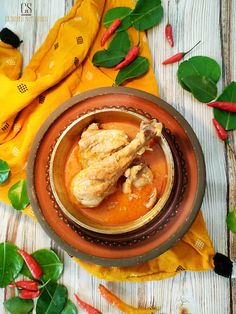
column 228, row 47
column 213, row 23
column 228, row 27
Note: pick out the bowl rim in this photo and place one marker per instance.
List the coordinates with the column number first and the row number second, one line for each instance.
column 133, row 225
column 128, row 261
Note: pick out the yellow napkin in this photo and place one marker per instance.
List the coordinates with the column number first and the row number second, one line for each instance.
column 62, row 68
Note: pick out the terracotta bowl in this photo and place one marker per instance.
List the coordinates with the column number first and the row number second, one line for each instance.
column 89, row 218
column 154, row 235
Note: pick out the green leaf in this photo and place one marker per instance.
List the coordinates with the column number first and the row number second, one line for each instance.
column 18, row 306
column 120, row 42
column 202, row 88
column 18, row 195
column 137, row 68
column 70, row 308
column 116, row 52
column 146, row 14
column 10, row 263
column 52, row 300
column 227, row 119
column 119, row 12
column 107, row 58
column 231, row 220
column 4, row 171
column 49, row 262
column 200, row 65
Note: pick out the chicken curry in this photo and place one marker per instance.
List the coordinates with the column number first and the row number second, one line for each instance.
column 112, row 175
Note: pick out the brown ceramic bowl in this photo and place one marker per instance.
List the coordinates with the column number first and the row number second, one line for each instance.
column 65, row 144
column 156, row 236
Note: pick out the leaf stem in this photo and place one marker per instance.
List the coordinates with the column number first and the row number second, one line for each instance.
column 192, row 48
column 44, row 283
column 168, row 7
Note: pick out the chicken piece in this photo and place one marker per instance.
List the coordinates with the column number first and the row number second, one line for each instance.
column 137, row 176
column 96, row 144
column 91, row 185
column 152, row 199
column 131, row 175
column 144, row 177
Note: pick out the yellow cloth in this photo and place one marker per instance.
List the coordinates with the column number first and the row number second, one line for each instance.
column 61, row 68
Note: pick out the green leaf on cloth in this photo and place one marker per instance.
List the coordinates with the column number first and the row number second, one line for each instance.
column 135, row 69
column 10, row 263
column 4, row 171
column 116, row 52
column 119, row 12
column 107, row 58
column 18, row 195
column 120, row 42
column 225, row 118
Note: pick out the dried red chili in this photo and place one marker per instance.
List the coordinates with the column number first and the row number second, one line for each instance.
column 111, row 29
column 224, row 105
column 87, row 307
column 28, row 294
column 221, row 132
column 168, row 30
column 177, row 57
column 33, row 266
column 169, row 35
column 131, row 55
column 121, row 305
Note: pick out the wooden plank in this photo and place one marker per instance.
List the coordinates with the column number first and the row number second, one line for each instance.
column 228, row 27
column 68, row 5
column 229, row 46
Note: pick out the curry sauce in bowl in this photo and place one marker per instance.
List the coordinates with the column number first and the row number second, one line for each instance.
column 119, row 212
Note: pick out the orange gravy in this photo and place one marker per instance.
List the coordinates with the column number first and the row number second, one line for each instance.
column 117, row 208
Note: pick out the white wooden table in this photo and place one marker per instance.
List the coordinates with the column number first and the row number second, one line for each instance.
column 214, row 23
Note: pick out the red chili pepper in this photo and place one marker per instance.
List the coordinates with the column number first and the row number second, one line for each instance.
column 169, row 35
column 25, row 284
column 168, row 30
column 177, row 57
column 87, row 307
column 224, row 105
column 131, row 55
column 27, row 294
column 121, row 305
column 33, row 266
column 222, row 133
column 111, row 29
